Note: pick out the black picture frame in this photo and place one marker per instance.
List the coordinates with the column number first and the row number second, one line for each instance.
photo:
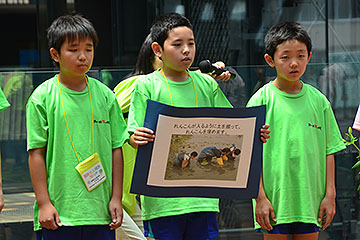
column 155, row 110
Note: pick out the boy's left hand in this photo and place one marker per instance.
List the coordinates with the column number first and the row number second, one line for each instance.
column 225, row 76
column 264, row 133
column 116, row 212
column 327, row 211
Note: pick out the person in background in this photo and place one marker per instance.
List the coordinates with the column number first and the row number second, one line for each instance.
column 132, row 227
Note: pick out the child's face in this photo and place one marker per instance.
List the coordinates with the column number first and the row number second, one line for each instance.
column 290, row 60
column 75, row 58
column 178, row 52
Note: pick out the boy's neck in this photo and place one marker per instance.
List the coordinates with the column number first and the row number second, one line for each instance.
column 287, row 86
column 176, row 76
column 74, row 83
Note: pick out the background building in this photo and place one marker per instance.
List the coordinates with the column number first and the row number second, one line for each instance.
column 227, row 30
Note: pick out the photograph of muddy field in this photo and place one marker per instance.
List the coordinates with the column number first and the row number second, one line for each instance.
column 212, row 171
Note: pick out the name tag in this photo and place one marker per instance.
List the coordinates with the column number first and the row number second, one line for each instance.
column 91, row 172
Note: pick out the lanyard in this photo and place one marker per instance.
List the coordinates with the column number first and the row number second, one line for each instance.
column 67, row 126
column 196, row 99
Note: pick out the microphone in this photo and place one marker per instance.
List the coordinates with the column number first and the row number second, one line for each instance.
column 207, row 67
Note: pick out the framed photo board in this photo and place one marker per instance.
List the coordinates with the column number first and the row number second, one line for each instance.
column 228, row 158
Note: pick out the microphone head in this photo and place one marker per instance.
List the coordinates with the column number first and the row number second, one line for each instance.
column 205, row 66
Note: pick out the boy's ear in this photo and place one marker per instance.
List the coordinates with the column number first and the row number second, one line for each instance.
column 54, row 54
column 310, row 53
column 156, row 49
column 269, row 60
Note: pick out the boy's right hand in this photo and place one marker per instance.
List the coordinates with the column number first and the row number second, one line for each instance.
column 49, row 217
column 225, row 76
column 142, row 136
column 263, row 210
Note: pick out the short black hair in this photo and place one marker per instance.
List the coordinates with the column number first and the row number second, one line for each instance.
column 286, row 31
column 163, row 24
column 70, row 28
column 237, row 151
column 194, row 154
column 145, row 58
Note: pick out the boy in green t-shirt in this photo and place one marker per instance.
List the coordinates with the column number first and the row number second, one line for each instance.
column 75, row 130
column 174, row 84
column 3, row 104
column 297, row 188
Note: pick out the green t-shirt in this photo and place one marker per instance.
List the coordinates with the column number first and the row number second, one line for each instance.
column 153, row 86
column 46, row 127
column 3, row 101
column 123, row 95
column 124, row 90
column 303, row 131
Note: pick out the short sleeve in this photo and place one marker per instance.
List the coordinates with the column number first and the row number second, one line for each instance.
column 123, row 92
column 256, row 99
column 334, row 142
column 220, row 100
column 36, row 125
column 119, row 133
column 137, row 109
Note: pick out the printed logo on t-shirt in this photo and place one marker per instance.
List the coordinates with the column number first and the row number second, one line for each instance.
column 314, row 126
column 102, row 121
